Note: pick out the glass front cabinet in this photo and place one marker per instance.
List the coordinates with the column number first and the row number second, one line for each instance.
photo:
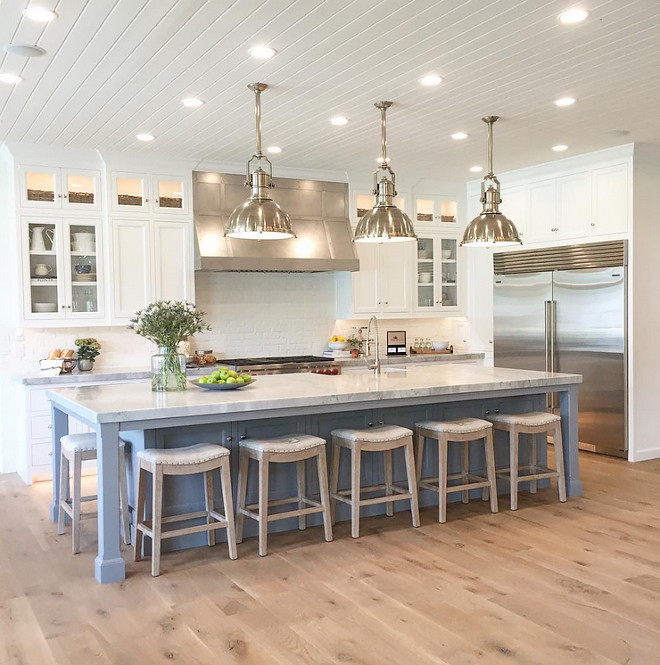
column 154, row 194
column 55, row 188
column 437, row 273
column 434, row 212
column 62, row 269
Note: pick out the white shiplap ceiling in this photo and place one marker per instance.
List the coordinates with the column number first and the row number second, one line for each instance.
column 114, row 68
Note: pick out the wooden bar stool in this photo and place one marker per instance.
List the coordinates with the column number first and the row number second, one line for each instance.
column 463, row 431
column 533, row 423
column 374, row 439
column 201, row 458
column 289, row 448
column 76, row 449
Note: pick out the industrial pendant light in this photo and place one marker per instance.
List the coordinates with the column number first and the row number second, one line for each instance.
column 259, row 218
column 384, row 222
column 491, row 227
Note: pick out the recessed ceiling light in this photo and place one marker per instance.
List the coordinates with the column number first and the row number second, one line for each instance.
column 560, row 148
column 274, row 149
column 145, row 137
column 476, row 169
column 431, row 80
column 25, row 50
column 571, row 16
column 262, row 52
column 10, row 78
column 192, row 102
column 339, row 121
column 459, row 136
column 39, row 14
column 564, row 101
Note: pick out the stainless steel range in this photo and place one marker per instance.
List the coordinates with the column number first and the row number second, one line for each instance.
column 282, row 365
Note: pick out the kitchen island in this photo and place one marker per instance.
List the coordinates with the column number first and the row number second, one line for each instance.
column 280, row 404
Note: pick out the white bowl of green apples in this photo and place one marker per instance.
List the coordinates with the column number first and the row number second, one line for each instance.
column 223, row 379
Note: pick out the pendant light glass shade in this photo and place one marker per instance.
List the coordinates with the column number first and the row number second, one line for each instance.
column 259, row 218
column 491, row 227
column 384, row 222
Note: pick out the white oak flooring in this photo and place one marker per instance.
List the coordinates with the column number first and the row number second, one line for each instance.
column 550, row 584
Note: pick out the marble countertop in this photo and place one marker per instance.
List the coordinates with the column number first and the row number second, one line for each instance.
column 136, row 402
column 36, row 378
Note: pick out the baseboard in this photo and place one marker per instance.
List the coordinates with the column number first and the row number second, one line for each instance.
column 644, row 455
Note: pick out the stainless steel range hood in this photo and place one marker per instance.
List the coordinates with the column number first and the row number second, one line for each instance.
column 319, row 217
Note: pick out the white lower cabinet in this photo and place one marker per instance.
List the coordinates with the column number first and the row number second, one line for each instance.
column 152, row 260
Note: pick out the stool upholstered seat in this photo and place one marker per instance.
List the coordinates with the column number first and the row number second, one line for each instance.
column 197, row 454
column 459, row 426
column 292, row 443
column 79, row 443
column 373, row 434
column 529, row 419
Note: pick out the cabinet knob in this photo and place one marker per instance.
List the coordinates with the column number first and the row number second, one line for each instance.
column 381, row 422
column 438, row 302
column 157, row 201
column 65, row 196
column 62, row 307
column 556, row 228
column 387, row 302
column 59, row 196
column 593, row 223
column 228, row 439
column 50, row 427
column 146, row 200
column 242, row 436
column 370, row 424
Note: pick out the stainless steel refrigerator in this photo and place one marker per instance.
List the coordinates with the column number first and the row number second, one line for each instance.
column 564, row 310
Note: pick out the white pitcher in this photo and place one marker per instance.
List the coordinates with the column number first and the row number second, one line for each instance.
column 84, row 242
column 37, row 243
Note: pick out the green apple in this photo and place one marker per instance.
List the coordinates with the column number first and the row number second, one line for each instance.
column 246, row 378
column 233, row 374
column 240, row 380
column 231, row 379
column 202, row 379
column 221, row 381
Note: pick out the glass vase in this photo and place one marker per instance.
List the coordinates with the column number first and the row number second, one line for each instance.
column 168, row 370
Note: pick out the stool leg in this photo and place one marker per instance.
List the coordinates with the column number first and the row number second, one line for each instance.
column 490, row 470
column 412, row 481
column 139, row 512
column 465, row 468
column 559, row 462
column 75, row 500
column 243, row 468
column 228, row 501
column 64, row 493
column 156, row 518
column 208, row 502
column 302, row 490
column 533, row 461
column 513, row 466
column 322, row 467
column 356, row 461
column 123, row 498
column 419, row 455
column 263, row 505
column 387, row 462
column 334, row 479
column 442, row 478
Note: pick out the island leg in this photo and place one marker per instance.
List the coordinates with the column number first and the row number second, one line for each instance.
column 60, row 427
column 109, row 565
column 568, row 408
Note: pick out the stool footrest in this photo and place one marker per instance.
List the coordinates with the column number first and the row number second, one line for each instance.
column 475, row 483
column 248, row 511
column 398, row 494
column 541, row 473
column 220, row 523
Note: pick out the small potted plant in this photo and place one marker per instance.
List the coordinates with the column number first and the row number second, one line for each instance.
column 354, row 343
column 167, row 323
column 88, row 349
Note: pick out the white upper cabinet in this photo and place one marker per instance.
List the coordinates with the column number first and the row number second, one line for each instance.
column 542, row 210
column 573, row 206
column 514, row 206
column 59, row 188
column 434, row 212
column 173, row 275
column 610, row 200
column 149, row 193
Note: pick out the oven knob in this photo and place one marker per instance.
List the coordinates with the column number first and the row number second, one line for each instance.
column 335, row 371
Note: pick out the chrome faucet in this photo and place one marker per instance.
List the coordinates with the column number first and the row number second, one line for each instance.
column 376, row 364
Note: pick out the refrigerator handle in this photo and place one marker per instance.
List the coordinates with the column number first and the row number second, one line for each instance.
column 547, row 329
column 553, row 335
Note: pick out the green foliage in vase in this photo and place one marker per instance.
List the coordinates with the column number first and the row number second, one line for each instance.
column 88, row 348
column 168, row 322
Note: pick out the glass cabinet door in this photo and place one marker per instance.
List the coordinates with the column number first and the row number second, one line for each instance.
column 424, row 210
column 171, row 196
column 81, row 189
column 449, row 264
column 39, row 188
column 426, row 262
column 447, row 211
column 435, row 210
column 129, row 192
column 83, row 269
column 43, row 271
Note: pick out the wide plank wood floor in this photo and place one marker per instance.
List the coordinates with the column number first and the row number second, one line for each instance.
column 550, row 584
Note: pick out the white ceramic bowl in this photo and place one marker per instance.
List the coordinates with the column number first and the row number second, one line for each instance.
column 338, row 346
column 440, row 346
column 44, row 307
column 446, row 253
column 425, row 277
